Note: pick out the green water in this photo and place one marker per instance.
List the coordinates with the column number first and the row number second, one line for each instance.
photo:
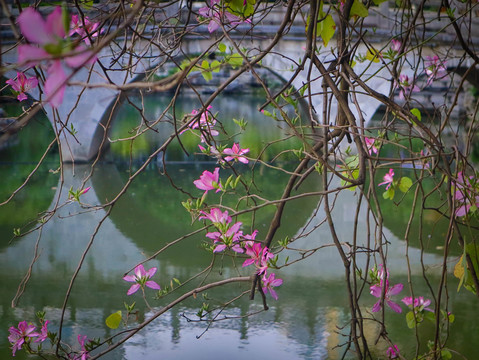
column 307, row 322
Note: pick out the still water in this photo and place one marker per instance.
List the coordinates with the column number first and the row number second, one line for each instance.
column 309, row 321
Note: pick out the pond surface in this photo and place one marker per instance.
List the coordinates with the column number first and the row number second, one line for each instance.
column 309, row 321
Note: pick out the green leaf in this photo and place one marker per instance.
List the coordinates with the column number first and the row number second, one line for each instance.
column 324, row 28
column 446, row 354
column 373, row 55
column 235, row 60
column 404, row 184
column 207, row 75
column 410, row 320
column 378, row 2
column 114, row 320
column 238, row 7
column 205, row 65
column 358, row 9
column 416, row 113
column 222, row 47
column 215, row 66
column 389, row 194
column 328, row 27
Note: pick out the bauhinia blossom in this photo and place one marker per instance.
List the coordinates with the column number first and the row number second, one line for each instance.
column 269, row 283
column 43, row 332
column 392, row 352
column 48, row 43
column 227, row 238
column 216, row 216
column 22, row 85
column 395, row 45
column 466, row 194
column 418, row 304
column 23, row 334
column 376, row 291
column 141, row 279
column 406, row 87
column 259, row 256
column 370, row 145
column 388, row 179
column 205, row 123
column 236, row 153
column 84, row 355
column 209, row 181
column 85, row 28
column 435, row 68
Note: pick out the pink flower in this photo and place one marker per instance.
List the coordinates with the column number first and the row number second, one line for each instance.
column 419, row 304
column 141, row 278
column 47, row 38
column 466, row 194
column 205, row 124
column 392, row 352
column 435, row 68
column 84, row 355
column 209, row 181
column 85, row 28
column 388, row 179
column 370, row 145
column 395, row 45
column 259, row 256
column 269, row 283
column 44, row 332
column 22, row 85
column 236, row 153
column 406, row 88
column 227, row 238
column 21, row 335
column 376, row 291
column 217, row 217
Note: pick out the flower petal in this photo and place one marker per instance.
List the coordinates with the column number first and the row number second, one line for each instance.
column 394, row 306
column 33, row 27
column 55, row 84
column 153, row 285
column 133, row 289
column 54, row 24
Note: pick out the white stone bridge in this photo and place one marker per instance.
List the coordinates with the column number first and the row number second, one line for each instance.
column 87, row 110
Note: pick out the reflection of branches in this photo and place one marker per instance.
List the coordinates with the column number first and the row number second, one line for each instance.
column 168, row 307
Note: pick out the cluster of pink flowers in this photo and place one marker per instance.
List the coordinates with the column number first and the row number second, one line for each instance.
column 219, row 14
column 466, row 194
column 84, row 27
column 435, row 68
column 141, row 279
column 229, row 236
column 49, row 45
column 376, row 290
column 25, row 333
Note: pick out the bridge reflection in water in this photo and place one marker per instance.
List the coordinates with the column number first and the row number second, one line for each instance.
column 306, row 323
